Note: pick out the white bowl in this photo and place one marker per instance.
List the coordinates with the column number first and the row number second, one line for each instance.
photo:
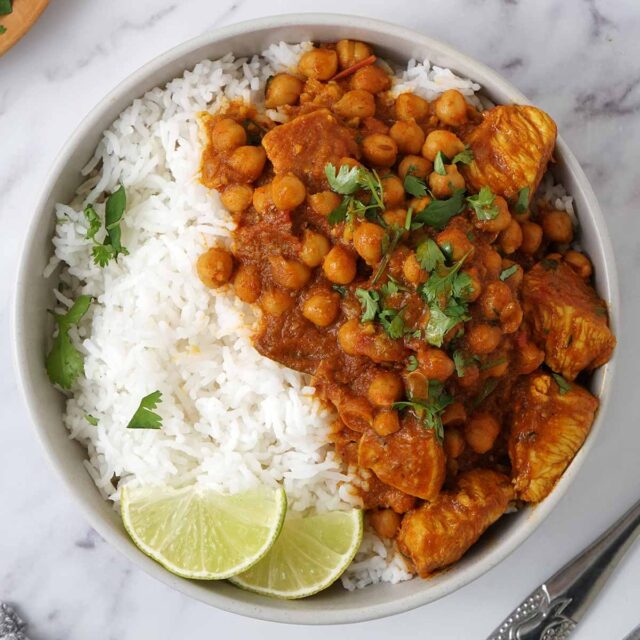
column 33, row 297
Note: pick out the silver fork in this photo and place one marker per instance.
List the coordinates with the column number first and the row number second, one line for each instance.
column 554, row 609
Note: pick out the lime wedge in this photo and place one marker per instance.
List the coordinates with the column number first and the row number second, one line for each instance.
column 311, row 553
column 198, row 533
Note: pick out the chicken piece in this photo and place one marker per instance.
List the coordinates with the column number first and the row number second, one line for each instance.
column 306, row 144
column 410, row 459
column 567, row 318
column 511, row 149
column 439, row 533
column 379, row 494
column 549, row 425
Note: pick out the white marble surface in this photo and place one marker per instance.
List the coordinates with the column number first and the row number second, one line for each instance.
column 579, row 59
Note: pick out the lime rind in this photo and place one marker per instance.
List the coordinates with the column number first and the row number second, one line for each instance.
column 309, row 556
column 200, row 534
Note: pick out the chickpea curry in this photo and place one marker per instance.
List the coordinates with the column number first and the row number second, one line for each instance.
column 399, row 255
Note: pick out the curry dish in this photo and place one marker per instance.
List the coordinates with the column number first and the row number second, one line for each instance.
column 399, row 255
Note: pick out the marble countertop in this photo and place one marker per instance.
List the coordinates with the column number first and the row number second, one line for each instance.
column 578, row 59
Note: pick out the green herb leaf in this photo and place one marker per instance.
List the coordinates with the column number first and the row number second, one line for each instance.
column 3, row 29
column 92, row 420
column 460, row 361
column 438, row 212
column 144, row 417
column 483, row 203
column 340, row 289
column 505, row 274
column 522, row 204
column 429, row 255
column 442, row 283
column 94, row 222
column 439, row 325
column 412, row 363
column 392, row 322
column 438, row 163
column 407, row 219
column 346, row 181
column 114, row 210
column 414, row 186
column 429, row 412
column 388, row 250
column 64, row 363
column 464, row 157
column 564, row 386
column 6, row 7
column 339, row 214
column 487, row 389
column 370, row 301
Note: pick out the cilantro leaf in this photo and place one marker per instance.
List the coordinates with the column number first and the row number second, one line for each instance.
column 429, row 255
column 414, row 186
column 93, row 220
column 443, row 282
column 429, row 412
column 3, row 29
column 505, row 274
column 339, row 214
column 5, row 7
column 438, row 163
column 483, row 203
column 92, row 420
column 439, row 325
column 392, row 322
column 340, row 289
column 102, row 254
column 438, row 212
column 64, row 363
column 346, row 181
column 412, row 363
column 144, row 417
column 522, row 204
column 564, row 386
column 460, row 361
column 464, row 157
column 370, row 301
column 114, row 210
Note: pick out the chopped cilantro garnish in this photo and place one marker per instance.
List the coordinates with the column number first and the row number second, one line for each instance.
column 3, row 29
column 429, row 412
column 413, row 185
column 92, row 420
column 145, row 417
column 464, row 157
column 438, row 164
column 429, row 255
column 64, row 362
column 412, row 363
column 460, row 360
column 438, row 212
column 483, row 203
column 111, row 247
column 370, row 301
column 340, row 289
column 522, row 204
column 563, row 385
column 508, row 272
column 6, row 7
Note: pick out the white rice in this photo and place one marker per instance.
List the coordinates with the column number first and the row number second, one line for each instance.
column 232, row 419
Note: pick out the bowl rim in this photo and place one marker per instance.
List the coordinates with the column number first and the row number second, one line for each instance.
column 96, row 519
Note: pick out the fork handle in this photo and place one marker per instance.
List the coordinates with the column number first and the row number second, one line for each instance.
column 554, row 609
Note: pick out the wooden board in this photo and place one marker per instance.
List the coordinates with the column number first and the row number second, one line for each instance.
column 25, row 13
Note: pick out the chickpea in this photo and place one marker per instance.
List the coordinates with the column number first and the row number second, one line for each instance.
column 262, row 199
column 379, row 149
column 495, row 297
column 248, row 162
column 322, row 308
column 416, row 384
column 227, row 135
column 444, row 186
column 385, row 388
column 324, row 202
column 275, row 302
column 214, row 267
column 451, row 108
column 511, row 317
column 288, row 191
column 483, row 338
column 351, row 52
column 355, row 104
column 247, row 283
column 237, row 197
column 282, row 89
column 371, row 78
column 349, row 162
column 318, row 64
column 314, row 248
column 511, row 238
column 415, row 165
column 481, row 432
column 290, row 274
column 349, row 336
column 392, row 191
column 412, row 270
column 557, row 226
column 529, row 358
column 367, row 241
column 473, row 291
column 531, row 237
column 470, row 378
column 492, row 262
column 454, row 415
column 408, row 136
column 339, row 265
column 496, row 370
column 356, row 413
column 455, row 243
column 386, row 422
column 435, row 364
column 579, row 262
column 385, row 522
column 453, row 443
column 500, row 222
column 442, row 140
column 411, row 107
column 395, row 217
